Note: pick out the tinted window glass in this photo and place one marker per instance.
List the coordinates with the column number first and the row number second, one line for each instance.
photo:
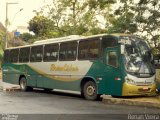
column 50, row 52
column 14, row 55
column 109, row 41
column 112, row 58
column 6, row 56
column 24, row 54
column 88, row 49
column 68, row 51
column 36, row 54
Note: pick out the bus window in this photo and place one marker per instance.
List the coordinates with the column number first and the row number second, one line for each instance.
column 36, row 53
column 50, row 52
column 88, row 49
column 68, row 51
column 14, row 55
column 109, row 41
column 6, row 56
column 112, row 59
column 24, row 54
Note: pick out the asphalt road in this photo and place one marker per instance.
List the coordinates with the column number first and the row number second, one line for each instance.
column 62, row 106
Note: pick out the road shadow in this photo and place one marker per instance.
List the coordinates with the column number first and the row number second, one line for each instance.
column 61, row 93
column 58, row 93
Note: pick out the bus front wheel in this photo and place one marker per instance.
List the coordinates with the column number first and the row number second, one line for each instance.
column 23, row 85
column 90, row 91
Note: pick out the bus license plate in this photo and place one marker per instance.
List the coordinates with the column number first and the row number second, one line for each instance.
column 145, row 88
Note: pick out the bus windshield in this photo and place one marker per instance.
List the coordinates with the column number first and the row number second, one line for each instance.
column 137, row 57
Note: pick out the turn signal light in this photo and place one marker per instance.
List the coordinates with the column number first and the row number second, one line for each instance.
column 117, row 78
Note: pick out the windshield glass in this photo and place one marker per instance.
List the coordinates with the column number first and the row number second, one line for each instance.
column 137, row 56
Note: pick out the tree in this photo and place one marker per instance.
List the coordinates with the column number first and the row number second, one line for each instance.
column 150, row 23
column 42, row 26
column 141, row 18
column 67, row 17
column 26, row 37
column 16, row 41
column 122, row 20
column 74, row 17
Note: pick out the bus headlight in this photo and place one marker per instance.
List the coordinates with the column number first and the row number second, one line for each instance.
column 129, row 81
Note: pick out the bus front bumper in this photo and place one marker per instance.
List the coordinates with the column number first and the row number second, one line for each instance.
column 134, row 90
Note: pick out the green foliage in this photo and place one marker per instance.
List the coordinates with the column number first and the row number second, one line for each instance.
column 41, row 26
column 141, row 18
column 66, row 17
column 26, row 37
column 155, row 51
column 151, row 23
column 124, row 19
column 122, row 25
column 2, row 36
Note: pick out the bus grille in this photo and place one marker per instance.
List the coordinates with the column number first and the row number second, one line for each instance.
column 143, row 83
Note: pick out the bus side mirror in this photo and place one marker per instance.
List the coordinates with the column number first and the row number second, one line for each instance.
column 122, row 49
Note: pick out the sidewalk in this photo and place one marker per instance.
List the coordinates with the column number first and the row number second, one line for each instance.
column 136, row 101
column 107, row 99
column 8, row 87
column 1, row 86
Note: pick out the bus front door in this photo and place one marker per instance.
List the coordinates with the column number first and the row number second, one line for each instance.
column 112, row 71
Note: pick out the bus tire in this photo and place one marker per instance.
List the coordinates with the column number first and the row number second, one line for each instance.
column 82, row 94
column 90, row 91
column 23, row 85
column 47, row 89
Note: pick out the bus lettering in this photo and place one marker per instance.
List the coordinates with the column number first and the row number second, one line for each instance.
column 66, row 67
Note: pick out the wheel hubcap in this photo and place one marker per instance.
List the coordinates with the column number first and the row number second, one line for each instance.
column 90, row 90
column 23, row 84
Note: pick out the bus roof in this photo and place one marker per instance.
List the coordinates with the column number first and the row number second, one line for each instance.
column 67, row 38
column 60, row 39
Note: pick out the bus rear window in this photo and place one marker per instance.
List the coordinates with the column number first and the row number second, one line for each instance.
column 14, row 55
column 6, row 56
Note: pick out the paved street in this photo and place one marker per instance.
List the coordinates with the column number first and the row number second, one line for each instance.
column 62, row 106
column 38, row 102
column 55, row 102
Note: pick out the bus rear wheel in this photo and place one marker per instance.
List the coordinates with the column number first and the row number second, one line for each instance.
column 90, row 91
column 47, row 89
column 23, row 85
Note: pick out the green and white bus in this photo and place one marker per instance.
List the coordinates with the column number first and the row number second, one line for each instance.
column 115, row 64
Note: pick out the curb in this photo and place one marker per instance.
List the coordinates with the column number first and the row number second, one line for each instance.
column 127, row 101
column 1, row 88
column 8, row 87
column 13, row 89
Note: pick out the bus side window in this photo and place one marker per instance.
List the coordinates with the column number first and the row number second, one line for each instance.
column 109, row 41
column 14, row 53
column 89, row 49
column 50, row 52
column 68, row 51
column 24, row 54
column 36, row 53
column 112, row 58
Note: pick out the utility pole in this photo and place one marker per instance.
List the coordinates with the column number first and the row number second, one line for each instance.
column 74, row 14
column 6, row 24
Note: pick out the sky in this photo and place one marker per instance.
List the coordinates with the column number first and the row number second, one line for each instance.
column 17, row 17
column 21, row 18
